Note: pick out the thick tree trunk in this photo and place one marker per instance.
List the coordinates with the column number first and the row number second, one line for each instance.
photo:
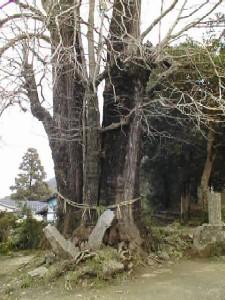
column 122, row 150
column 66, row 145
column 68, row 97
column 123, row 97
column 74, row 138
column 207, row 170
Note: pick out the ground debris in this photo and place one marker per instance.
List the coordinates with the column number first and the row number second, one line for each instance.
column 87, row 267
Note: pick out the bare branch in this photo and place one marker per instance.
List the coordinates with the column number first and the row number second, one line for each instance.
column 19, row 16
column 196, row 22
column 22, row 37
column 31, row 8
column 90, row 37
column 30, row 86
column 158, row 19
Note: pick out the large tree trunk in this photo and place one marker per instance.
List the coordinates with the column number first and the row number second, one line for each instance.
column 123, row 97
column 207, row 170
column 75, row 102
column 66, row 149
column 68, row 97
column 122, row 150
column 74, row 133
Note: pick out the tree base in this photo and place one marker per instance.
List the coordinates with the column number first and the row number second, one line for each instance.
column 135, row 236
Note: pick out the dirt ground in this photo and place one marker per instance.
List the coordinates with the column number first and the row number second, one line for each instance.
column 185, row 280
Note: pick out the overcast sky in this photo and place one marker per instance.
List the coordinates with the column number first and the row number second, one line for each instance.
column 19, row 131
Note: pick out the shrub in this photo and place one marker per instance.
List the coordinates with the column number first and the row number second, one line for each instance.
column 5, row 248
column 7, row 223
column 28, row 235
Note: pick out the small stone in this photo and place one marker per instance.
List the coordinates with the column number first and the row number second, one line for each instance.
column 39, row 272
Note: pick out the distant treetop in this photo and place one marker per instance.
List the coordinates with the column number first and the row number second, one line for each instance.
column 29, row 183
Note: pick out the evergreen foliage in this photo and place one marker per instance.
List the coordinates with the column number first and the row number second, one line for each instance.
column 30, row 184
column 28, row 235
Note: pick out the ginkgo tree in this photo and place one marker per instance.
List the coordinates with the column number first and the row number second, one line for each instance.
column 56, row 54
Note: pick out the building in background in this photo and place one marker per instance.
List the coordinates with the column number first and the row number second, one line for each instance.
column 41, row 210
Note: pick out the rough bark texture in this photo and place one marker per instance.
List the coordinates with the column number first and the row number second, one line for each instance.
column 207, row 170
column 75, row 139
column 123, row 97
column 68, row 91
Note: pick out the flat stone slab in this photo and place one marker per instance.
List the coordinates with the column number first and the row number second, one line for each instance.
column 38, row 272
column 60, row 246
column 97, row 234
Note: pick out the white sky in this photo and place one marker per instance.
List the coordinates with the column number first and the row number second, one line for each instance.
column 19, row 131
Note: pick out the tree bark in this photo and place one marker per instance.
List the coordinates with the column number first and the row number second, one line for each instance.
column 123, row 97
column 68, row 95
column 91, row 155
column 207, row 170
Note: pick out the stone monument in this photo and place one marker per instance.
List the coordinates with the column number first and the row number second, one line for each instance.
column 214, row 208
column 209, row 239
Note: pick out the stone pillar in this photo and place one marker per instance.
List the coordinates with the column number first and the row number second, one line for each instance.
column 214, row 208
column 60, row 246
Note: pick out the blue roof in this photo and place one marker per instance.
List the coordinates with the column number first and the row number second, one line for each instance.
column 33, row 205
